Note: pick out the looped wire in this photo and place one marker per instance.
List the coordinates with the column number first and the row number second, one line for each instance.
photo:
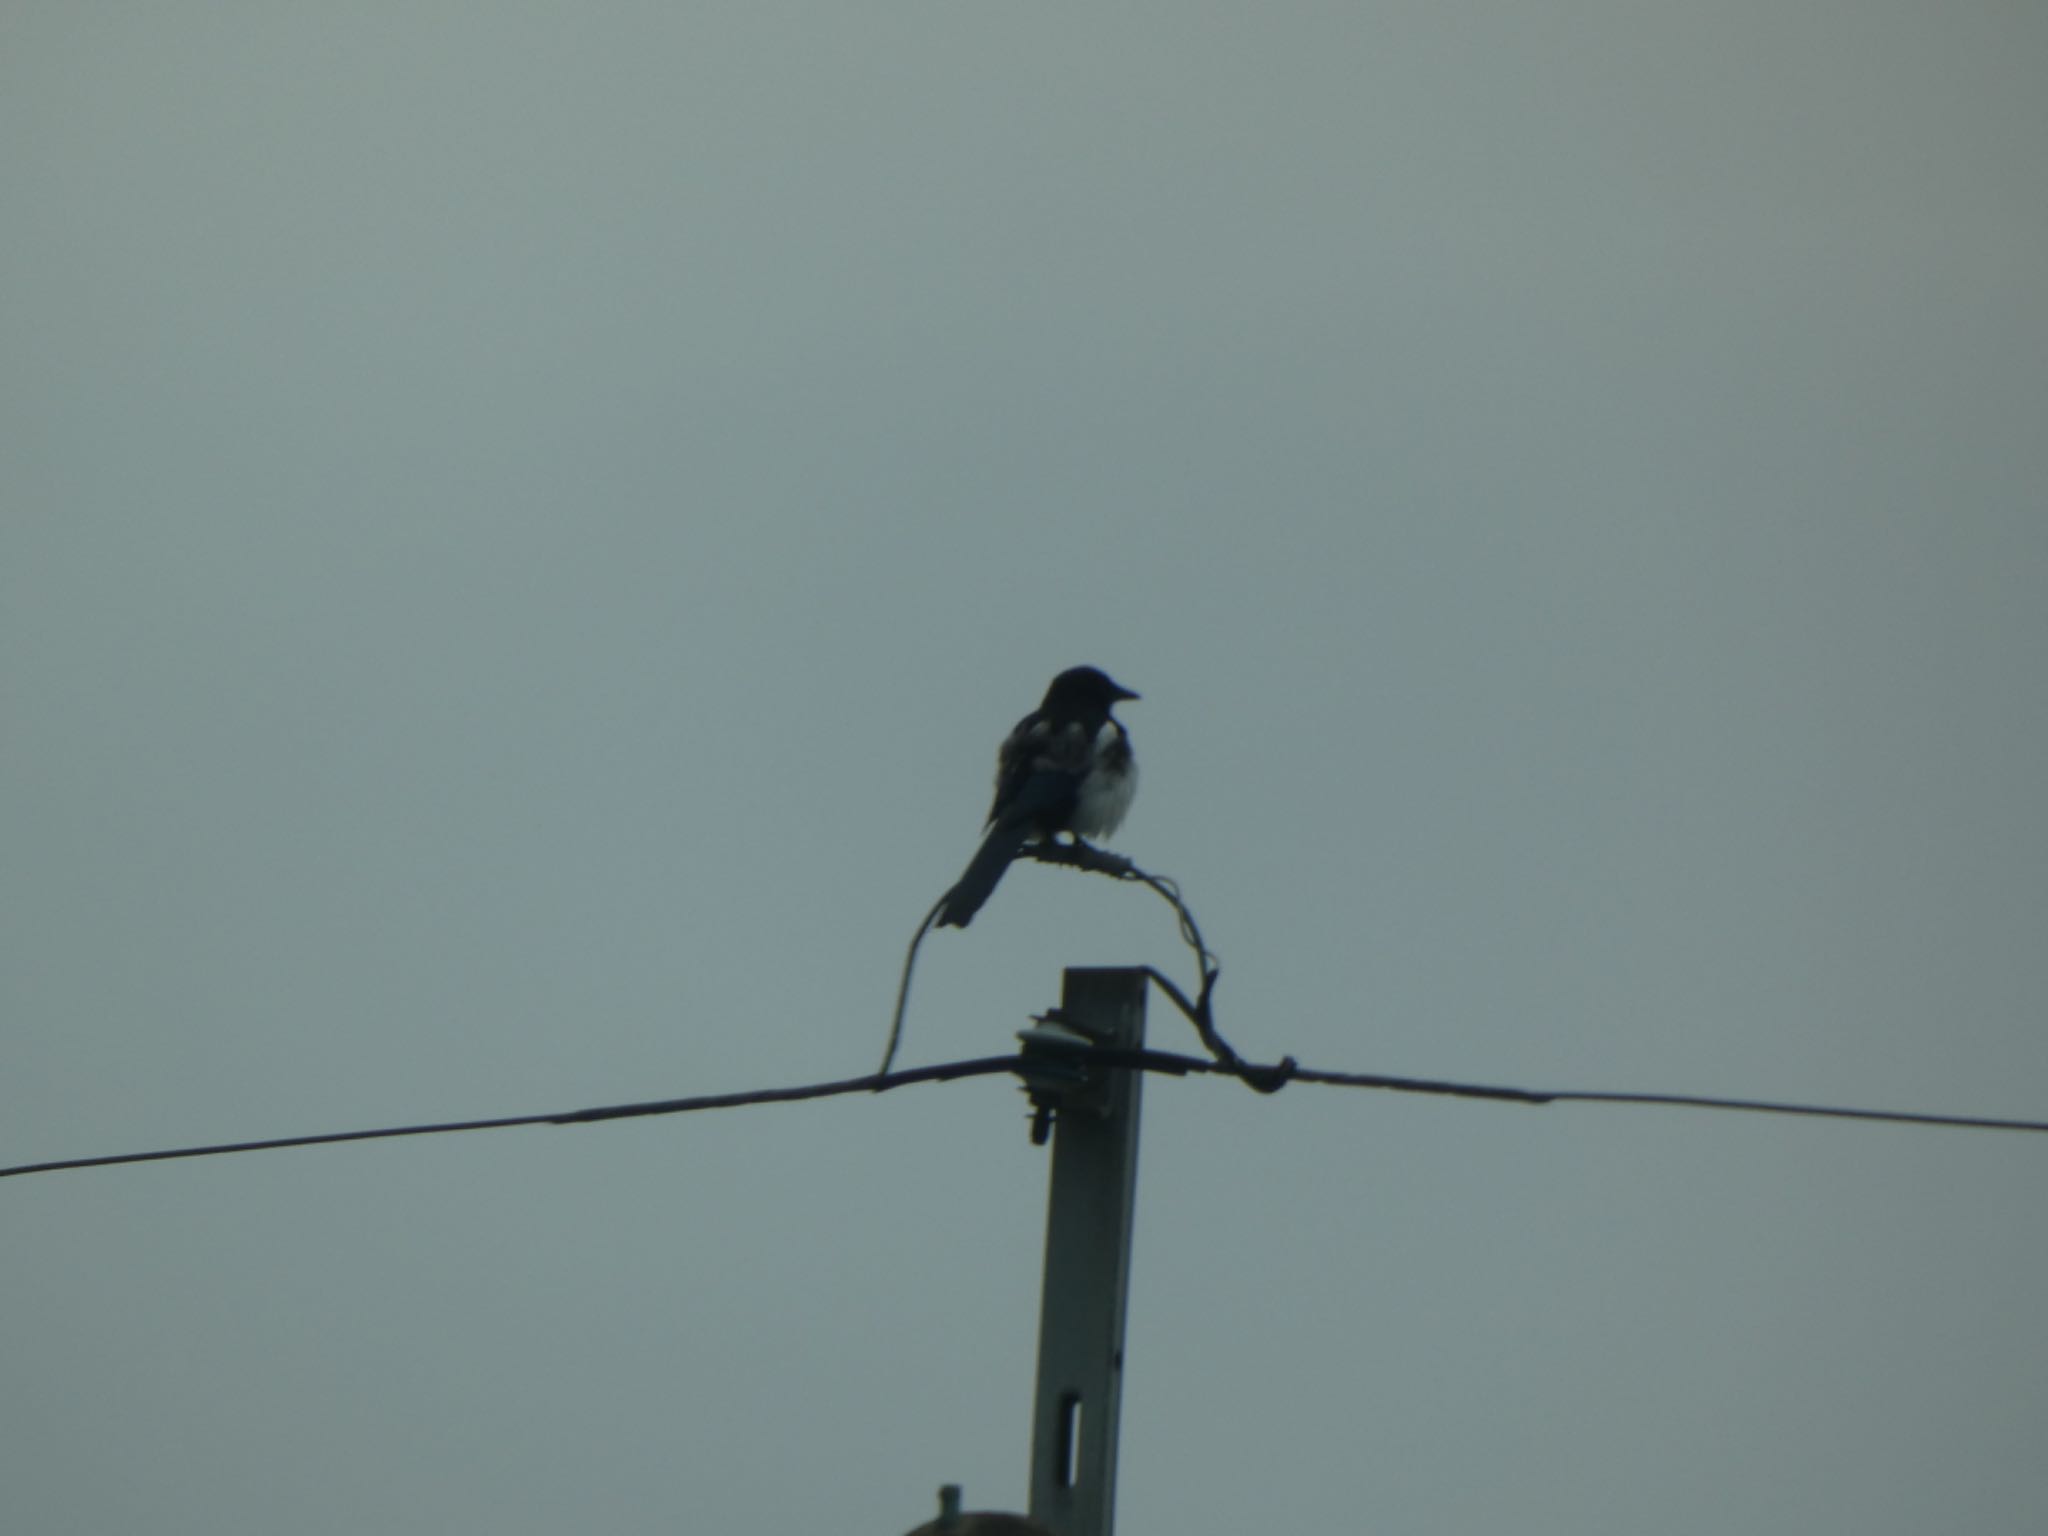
column 1199, row 1012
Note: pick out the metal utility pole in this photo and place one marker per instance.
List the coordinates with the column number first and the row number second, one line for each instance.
column 1087, row 1256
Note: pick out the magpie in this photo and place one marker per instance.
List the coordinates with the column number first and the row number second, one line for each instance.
column 1067, row 767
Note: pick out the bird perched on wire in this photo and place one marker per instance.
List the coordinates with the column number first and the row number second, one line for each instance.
column 1067, row 767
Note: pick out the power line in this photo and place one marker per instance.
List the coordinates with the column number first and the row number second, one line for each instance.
column 1665, row 1100
column 944, row 1070
column 1266, row 1078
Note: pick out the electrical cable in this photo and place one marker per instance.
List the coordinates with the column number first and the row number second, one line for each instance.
column 1270, row 1078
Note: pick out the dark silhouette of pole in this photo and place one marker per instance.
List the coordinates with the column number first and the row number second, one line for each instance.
column 1087, row 1251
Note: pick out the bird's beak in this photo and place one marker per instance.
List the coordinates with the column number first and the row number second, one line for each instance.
column 1122, row 692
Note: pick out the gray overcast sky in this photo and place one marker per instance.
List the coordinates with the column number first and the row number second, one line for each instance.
column 524, row 523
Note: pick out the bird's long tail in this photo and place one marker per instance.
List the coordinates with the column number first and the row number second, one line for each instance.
column 983, row 871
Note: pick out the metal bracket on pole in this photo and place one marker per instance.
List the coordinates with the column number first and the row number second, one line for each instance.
column 1087, row 1245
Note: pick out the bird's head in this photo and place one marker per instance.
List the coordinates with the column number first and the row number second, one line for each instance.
column 1087, row 687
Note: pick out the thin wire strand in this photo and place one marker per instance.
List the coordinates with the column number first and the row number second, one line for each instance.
column 903, row 989
column 1093, row 860
column 983, row 1066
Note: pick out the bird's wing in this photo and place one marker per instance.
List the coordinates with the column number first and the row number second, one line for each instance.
column 1039, row 768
